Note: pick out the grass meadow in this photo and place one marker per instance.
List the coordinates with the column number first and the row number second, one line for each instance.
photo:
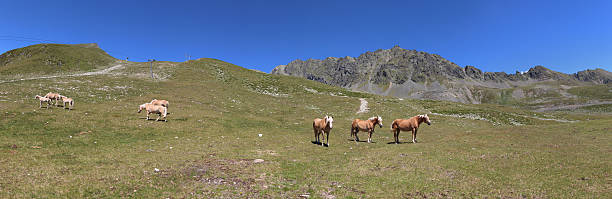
column 104, row 149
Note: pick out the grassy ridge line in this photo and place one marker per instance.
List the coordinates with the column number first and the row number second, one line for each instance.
column 48, row 59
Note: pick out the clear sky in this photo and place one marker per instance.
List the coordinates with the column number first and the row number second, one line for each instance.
column 492, row 35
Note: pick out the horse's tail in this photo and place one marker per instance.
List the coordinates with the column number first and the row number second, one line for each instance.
column 393, row 125
column 72, row 103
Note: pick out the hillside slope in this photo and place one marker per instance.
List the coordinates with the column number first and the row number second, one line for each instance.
column 104, row 149
column 420, row 75
column 53, row 58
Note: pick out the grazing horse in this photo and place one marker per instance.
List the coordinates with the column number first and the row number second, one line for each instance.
column 163, row 103
column 67, row 100
column 365, row 125
column 321, row 126
column 53, row 96
column 411, row 124
column 42, row 100
column 152, row 108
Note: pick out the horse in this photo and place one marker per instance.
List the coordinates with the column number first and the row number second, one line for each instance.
column 53, row 96
column 411, row 124
column 42, row 99
column 163, row 103
column 152, row 108
column 365, row 125
column 321, row 126
column 67, row 100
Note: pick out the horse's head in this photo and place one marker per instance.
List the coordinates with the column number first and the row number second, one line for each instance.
column 425, row 118
column 379, row 121
column 37, row 96
column 142, row 106
column 329, row 121
column 153, row 100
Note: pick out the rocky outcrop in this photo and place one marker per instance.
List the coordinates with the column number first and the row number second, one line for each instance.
column 598, row 75
column 415, row 74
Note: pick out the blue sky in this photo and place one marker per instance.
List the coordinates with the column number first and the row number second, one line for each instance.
column 566, row 36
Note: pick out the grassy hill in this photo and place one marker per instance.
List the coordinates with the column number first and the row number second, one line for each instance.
column 52, row 58
column 104, row 149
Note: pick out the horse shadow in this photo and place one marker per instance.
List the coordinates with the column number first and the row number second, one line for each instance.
column 400, row 142
column 160, row 120
column 353, row 140
column 319, row 143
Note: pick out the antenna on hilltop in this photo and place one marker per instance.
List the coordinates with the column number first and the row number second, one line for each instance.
column 152, row 60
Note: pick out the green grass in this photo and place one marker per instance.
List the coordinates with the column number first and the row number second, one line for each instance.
column 593, row 92
column 52, row 59
column 207, row 147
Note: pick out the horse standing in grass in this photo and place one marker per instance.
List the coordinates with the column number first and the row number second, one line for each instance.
column 68, row 101
column 163, row 103
column 411, row 124
column 321, row 126
column 42, row 100
column 365, row 125
column 152, row 108
column 53, row 96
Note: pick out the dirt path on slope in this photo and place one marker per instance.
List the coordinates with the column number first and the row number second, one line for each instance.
column 100, row 72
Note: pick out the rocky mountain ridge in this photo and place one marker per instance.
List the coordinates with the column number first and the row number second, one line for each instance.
column 416, row 74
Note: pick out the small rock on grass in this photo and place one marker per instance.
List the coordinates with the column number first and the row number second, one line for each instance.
column 258, row 160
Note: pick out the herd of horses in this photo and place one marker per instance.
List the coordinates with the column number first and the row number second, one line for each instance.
column 321, row 127
column 324, row 126
column 156, row 106
column 68, row 103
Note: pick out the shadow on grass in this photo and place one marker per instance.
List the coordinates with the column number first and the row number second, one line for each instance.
column 400, row 142
column 319, row 143
column 353, row 140
column 144, row 118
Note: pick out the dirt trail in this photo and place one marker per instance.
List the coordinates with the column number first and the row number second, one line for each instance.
column 100, row 72
column 363, row 108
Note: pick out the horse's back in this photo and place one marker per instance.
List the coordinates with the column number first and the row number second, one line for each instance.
column 404, row 124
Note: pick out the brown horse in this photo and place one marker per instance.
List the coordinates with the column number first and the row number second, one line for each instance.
column 67, row 101
column 155, row 109
column 54, row 96
column 321, row 126
column 411, row 124
column 365, row 125
column 42, row 100
column 160, row 102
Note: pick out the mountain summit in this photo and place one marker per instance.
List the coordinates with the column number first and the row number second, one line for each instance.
column 415, row 74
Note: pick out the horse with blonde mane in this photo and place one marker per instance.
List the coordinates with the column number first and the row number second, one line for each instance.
column 365, row 125
column 321, row 126
column 152, row 108
column 42, row 100
column 411, row 124
column 54, row 96
column 67, row 101
column 163, row 103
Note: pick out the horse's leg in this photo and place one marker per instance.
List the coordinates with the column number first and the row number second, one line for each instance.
column 322, row 135
column 356, row 132
column 327, row 135
column 315, row 134
column 148, row 115
column 370, row 136
column 415, row 134
column 395, row 134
